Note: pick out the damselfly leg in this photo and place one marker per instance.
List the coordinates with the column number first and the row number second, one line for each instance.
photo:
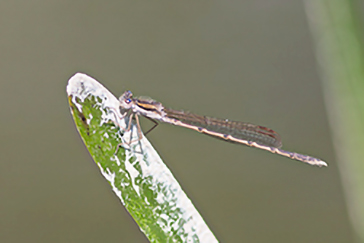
column 130, row 115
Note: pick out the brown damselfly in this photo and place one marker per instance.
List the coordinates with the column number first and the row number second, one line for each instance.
column 231, row 131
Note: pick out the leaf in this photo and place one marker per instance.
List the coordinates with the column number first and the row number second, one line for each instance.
column 136, row 173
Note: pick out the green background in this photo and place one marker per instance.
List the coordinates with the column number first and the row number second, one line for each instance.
column 243, row 60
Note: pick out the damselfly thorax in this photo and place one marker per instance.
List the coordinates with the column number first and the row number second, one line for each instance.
column 231, row 131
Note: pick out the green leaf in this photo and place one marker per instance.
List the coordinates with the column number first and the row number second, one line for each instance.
column 136, row 173
column 338, row 36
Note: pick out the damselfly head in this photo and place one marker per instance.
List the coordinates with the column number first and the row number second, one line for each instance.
column 126, row 100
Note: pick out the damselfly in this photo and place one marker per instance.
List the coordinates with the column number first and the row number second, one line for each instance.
column 231, row 131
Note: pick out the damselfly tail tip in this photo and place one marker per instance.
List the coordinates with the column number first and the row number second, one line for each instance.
column 317, row 162
column 322, row 163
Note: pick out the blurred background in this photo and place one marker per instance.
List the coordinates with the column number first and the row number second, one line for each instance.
column 249, row 61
